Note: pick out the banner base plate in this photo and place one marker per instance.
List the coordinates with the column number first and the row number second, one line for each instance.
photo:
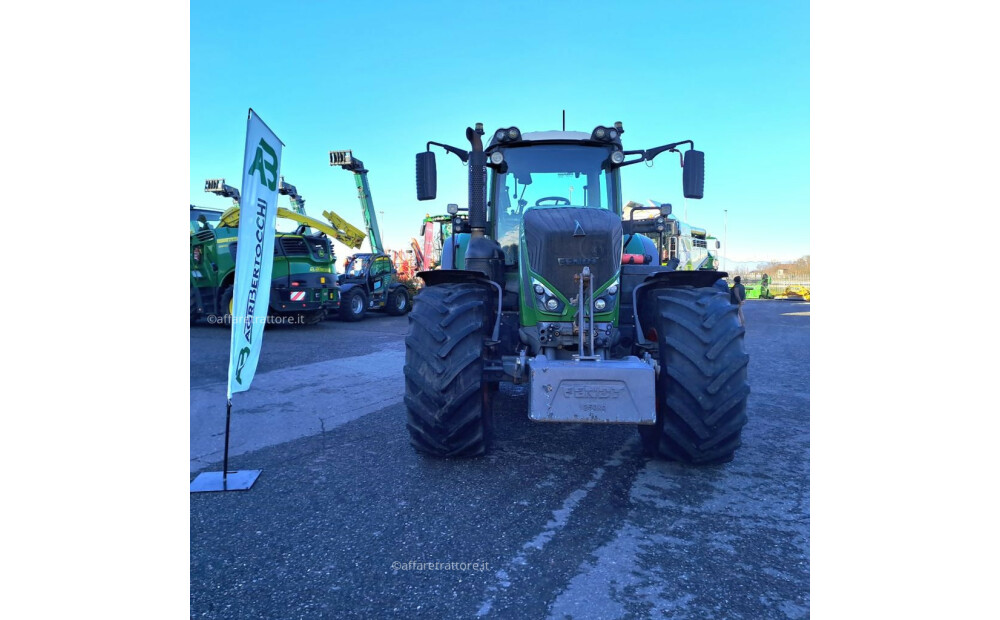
column 240, row 480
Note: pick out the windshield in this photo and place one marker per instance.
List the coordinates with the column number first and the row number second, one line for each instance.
column 202, row 219
column 356, row 267
column 551, row 175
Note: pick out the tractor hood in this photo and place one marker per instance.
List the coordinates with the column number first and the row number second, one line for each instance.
column 560, row 241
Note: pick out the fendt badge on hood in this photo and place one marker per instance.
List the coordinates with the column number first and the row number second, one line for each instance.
column 579, row 261
column 578, row 231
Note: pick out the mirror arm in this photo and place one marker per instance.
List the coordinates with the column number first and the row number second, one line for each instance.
column 463, row 155
column 633, row 161
column 649, row 154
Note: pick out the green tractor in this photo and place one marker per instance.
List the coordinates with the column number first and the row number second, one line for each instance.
column 303, row 279
column 534, row 290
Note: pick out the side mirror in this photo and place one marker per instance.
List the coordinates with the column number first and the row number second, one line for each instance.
column 694, row 174
column 426, row 176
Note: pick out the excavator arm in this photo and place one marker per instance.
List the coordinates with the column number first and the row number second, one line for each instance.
column 338, row 228
column 345, row 160
column 348, row 234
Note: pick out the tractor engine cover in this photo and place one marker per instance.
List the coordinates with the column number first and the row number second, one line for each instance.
column 608, row 391
column 561, row 241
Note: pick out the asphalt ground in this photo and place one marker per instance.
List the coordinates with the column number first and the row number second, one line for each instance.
column 558, row 521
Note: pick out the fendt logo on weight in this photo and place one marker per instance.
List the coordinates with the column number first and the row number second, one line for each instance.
column 591, row 391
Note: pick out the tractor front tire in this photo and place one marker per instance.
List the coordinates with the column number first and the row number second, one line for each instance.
column 448, row 405
column 225, row 316
column 702, row 388
column 353, row 305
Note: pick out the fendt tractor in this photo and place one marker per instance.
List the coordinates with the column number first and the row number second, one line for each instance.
column 539, row 295
column 370, row 280
column 303, row 278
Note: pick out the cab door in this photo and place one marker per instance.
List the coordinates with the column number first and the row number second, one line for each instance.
column 203, row 265
column 381, row 276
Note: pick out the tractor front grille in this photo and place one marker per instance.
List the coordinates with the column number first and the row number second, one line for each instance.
column 561, row 241
column 294, row 246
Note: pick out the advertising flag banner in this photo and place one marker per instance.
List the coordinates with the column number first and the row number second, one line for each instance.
column 254, row 251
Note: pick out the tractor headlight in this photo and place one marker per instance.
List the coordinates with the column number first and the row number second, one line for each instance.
column 613, row 289
column 539, row 289
column 552, row 303
column 600, row 132
column 499, row 134
column 617, row 157
column 497, row 158
column 513, row 133
column 600, row 304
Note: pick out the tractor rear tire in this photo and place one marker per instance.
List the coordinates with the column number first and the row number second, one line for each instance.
column 399, row 302
column 702, row 388
column 353, row 305
column 449, row 409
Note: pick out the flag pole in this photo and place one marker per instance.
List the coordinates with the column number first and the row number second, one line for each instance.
column 225, row 454
column 259, row 193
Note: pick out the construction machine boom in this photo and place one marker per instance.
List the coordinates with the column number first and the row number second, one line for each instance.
column 338, row 228
column 345, row 160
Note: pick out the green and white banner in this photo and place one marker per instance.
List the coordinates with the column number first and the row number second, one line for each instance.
column 254, row 251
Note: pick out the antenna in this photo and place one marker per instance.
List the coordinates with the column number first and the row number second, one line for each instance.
column 564, row 120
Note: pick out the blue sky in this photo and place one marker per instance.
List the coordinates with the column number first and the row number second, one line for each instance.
column 385, row 78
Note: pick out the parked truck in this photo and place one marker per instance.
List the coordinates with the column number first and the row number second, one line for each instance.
column 539, row 294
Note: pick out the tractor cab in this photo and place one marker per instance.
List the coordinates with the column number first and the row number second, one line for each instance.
column 545, row 170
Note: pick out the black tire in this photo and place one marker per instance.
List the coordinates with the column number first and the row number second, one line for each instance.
column 702, row 388
column 399, row 302
column 449, row 410
column 194, row 306
column 225, row 318
column 353, row 305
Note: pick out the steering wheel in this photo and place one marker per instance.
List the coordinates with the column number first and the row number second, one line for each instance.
column 559, row 200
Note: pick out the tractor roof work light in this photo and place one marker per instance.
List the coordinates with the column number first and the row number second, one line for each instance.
column 605, row 134
column 507, row 134
column 452, row 208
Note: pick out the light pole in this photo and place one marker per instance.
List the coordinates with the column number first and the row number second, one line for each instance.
column 725, row 237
